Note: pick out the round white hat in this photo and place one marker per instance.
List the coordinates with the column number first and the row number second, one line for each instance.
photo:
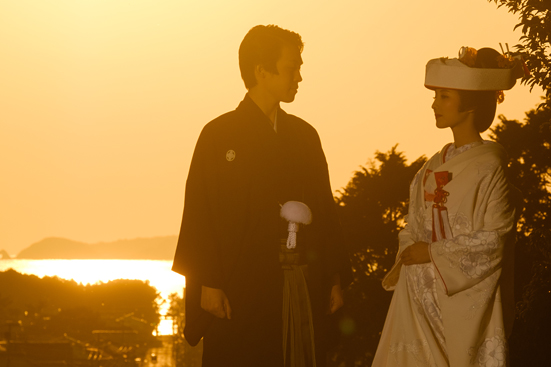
column 454, row 74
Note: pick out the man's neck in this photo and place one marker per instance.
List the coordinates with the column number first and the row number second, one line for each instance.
column 265, row 102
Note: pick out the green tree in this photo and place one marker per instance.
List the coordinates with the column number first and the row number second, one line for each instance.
column 529, row 147
column 184, row 354
column 371, row 209
column 49, row 307
column 535, row 44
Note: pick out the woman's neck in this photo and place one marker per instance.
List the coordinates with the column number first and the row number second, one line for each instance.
column 464, row 134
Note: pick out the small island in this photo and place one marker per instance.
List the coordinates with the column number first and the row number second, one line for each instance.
column 154, row 248
column 4, row 255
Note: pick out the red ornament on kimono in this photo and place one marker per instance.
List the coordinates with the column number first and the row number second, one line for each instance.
column 440, row 221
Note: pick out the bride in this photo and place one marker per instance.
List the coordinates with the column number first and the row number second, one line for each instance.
column 452, row 280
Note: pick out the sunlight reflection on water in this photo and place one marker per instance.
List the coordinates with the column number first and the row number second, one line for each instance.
column 157, row 272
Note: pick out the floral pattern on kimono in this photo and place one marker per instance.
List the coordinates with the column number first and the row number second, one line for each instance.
column 450, row 310
column 492, row 352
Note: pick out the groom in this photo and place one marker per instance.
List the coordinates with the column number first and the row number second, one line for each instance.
column 232, row 245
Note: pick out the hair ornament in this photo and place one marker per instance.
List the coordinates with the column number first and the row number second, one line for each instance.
column 505, row 61
column 467, row 55
column 506, row 46
column 500, row 96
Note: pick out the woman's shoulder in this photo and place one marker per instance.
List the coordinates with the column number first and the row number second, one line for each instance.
column 438, row 157
column 494, row 151
column 485, row 151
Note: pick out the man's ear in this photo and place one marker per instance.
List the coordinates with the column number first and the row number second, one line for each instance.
column 260, row 72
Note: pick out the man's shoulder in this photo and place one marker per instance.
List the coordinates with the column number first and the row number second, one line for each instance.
column 301, row 124
column 223, row 121
column 222, row 126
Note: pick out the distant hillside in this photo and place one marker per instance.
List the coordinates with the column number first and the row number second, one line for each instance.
column 155, row 248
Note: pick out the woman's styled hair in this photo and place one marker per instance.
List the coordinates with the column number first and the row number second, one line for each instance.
column 483, row 103
column 262, row 46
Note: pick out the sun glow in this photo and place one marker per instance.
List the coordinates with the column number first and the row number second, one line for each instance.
column 156, row 273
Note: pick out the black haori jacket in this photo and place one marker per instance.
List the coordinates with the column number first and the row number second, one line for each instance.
column 241, row 171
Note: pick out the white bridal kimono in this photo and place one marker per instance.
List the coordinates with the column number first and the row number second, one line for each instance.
column 458, row 309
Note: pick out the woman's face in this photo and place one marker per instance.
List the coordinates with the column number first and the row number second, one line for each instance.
column 446, row 109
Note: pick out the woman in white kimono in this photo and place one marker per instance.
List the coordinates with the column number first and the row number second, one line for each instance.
column 452, row 280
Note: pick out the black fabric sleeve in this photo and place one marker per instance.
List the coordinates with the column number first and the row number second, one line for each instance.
column 196, row 253
column 336, row 258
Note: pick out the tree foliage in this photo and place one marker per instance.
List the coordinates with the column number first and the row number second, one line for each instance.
column 535, row 44
column 529, row 147
column 371, row 208
column 373, row 205
column 48, row 308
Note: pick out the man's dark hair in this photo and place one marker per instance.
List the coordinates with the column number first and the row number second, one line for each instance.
column 483, row 103
column 262, row 46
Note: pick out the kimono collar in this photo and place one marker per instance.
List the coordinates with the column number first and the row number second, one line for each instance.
column 464, row 159
column 253, row 113
column 475, row 151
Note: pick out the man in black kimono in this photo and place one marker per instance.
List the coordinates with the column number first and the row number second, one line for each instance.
column 247, row 163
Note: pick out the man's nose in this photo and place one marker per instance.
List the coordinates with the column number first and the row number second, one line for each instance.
column 298, row 77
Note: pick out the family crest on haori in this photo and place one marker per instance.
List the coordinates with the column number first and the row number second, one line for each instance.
column 260, row 288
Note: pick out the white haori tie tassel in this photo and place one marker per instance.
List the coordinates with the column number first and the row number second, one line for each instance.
column 295, row 213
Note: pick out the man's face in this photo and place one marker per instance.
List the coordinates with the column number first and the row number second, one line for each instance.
column 284, row 86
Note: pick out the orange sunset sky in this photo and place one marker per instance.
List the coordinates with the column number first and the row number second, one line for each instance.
column 101, row 101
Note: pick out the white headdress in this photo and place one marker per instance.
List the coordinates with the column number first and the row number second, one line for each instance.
column 459, row 73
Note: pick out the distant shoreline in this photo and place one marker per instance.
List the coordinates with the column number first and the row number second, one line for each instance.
column 55, row 248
